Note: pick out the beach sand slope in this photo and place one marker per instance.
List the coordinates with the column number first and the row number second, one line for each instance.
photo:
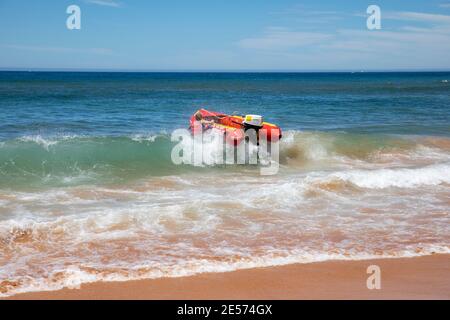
column 425, row 277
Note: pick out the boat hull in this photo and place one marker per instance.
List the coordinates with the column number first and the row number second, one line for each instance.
column 231, row 125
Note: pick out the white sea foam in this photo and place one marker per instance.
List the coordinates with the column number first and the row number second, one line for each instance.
column 144, row 137
column 49, row 141
column 38, row 139
column 401, row 177
column 313, row 146
column 209, row 149
column 73, row 276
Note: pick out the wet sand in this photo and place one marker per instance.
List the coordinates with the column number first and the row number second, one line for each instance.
column 406, row 278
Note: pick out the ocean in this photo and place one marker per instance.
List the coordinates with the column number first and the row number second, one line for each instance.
column 88, row 191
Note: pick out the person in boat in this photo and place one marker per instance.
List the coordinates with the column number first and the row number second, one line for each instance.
column 206, row 124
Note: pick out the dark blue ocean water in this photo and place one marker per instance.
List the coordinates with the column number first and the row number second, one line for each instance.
column 117, row 104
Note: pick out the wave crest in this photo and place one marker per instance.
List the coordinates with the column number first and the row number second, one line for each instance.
column 74, row 160
column 401, row 177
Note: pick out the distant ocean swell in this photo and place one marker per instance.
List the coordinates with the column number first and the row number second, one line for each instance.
column 77, row 209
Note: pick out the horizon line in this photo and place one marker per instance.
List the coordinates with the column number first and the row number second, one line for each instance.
column 95, row 70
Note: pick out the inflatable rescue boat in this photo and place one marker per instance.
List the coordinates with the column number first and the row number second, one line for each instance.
column 233, row 126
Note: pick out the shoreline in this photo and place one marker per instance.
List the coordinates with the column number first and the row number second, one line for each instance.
column 426, row 277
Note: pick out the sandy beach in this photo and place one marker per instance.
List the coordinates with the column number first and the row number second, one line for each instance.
column 405, row 278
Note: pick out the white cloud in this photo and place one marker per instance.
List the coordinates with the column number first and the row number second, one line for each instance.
column 107, row 3
column 300, row 9
column 403, row 47
column 435, row 30
column 275, row 38
column 305, row 16
column 417, row 16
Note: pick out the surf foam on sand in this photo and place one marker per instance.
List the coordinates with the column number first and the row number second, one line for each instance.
column 82, row 211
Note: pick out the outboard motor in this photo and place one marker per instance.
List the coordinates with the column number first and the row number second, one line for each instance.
column 253, row 121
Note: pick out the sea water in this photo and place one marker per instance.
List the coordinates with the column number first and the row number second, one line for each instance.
column 88, row 190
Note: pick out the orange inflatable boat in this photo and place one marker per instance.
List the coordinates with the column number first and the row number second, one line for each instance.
column 233, row 126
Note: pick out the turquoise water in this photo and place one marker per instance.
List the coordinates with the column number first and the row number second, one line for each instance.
column 69, row 128
column 88, row 191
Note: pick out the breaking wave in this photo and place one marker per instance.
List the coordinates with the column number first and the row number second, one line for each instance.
column 401, row 177
column 35, row 161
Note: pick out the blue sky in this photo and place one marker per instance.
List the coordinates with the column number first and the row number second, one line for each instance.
column 225, row 35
